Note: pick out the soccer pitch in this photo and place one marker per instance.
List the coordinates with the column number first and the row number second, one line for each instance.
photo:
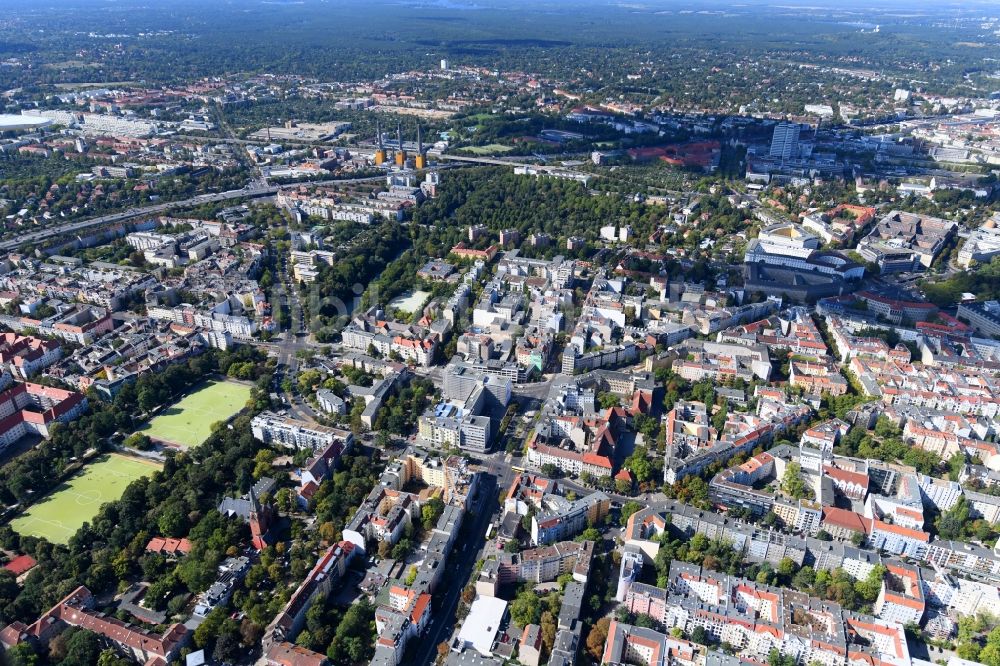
column 58, row 515
column 189, row 421
column 488, row 149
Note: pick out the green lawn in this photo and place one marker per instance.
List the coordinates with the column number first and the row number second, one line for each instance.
column 188, row 422
column 489, row 149
column 58, row 515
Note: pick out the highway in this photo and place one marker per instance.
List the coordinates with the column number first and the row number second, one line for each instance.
column 155, row 209
column 498, row 161
column 251, row 192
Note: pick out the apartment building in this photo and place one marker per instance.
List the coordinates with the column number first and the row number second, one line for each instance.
column 231, row 572
column 627, row 644
column 388, row 509
column 269, row 427
column 80, row 324
column 817, row 378
column 463, row 419
column 561, row 518
column 899, row 540
column 213, row 319
column 546, row 563
column 577, row 444
column 956, row 390
column 328, row 571
column 27, row 408
column 756, row 619
column 901, row 598
column 26, row 356
column 722, row 362
column 984, row 317
column 77, row 609
column 410, row 343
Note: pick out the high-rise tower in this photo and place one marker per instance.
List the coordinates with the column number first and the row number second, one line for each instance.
column 785, row 141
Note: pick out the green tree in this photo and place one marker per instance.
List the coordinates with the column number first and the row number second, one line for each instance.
column 82, row 649
column 804, row 578
column 869, row 588
column 431, row 511
column 608, row 400
column 22, row 654
column 109, row 657
column 792, row 483
column 719, row 418
column 775, row 658
column 952, row 523
column 955, row 465
column 526, row 609
column 638, row 463
column 628, row 509
column 787, row 567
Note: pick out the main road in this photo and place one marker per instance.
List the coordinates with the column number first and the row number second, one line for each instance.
column 459, row 566
column 131, row 213
column 250, row 192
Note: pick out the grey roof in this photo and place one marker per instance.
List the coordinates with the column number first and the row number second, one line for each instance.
column 241, row 507
column 572, row 603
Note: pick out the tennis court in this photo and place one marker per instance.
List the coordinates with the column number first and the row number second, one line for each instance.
column 188, row 422
column 58, row 515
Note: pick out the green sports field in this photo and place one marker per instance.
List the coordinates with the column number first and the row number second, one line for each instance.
column 488, row 149
column 188, row 422
column 58, row 515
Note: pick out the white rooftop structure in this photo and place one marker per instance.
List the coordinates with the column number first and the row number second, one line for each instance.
column 9, row 122
column 788, row 240
column 982, row 244
column 481, row 625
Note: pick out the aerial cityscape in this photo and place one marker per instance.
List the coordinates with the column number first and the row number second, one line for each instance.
column 495, row 332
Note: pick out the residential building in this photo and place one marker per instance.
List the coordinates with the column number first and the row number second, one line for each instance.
column 901, row 598
column 26, row 356
column 328, row 571
column 982, row 316
column 77, row 609
column 27, row 408
column 269, row 428
column 627, row 644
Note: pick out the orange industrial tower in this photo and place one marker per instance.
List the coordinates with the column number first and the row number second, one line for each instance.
column 400, row 153
column 420, row 161
column 380, row 149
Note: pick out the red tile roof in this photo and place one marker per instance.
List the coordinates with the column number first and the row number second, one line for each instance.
column 846, row 519
column 289, row 654
column 168, row 546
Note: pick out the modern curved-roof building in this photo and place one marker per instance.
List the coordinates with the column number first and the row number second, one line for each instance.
column 12, row 123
